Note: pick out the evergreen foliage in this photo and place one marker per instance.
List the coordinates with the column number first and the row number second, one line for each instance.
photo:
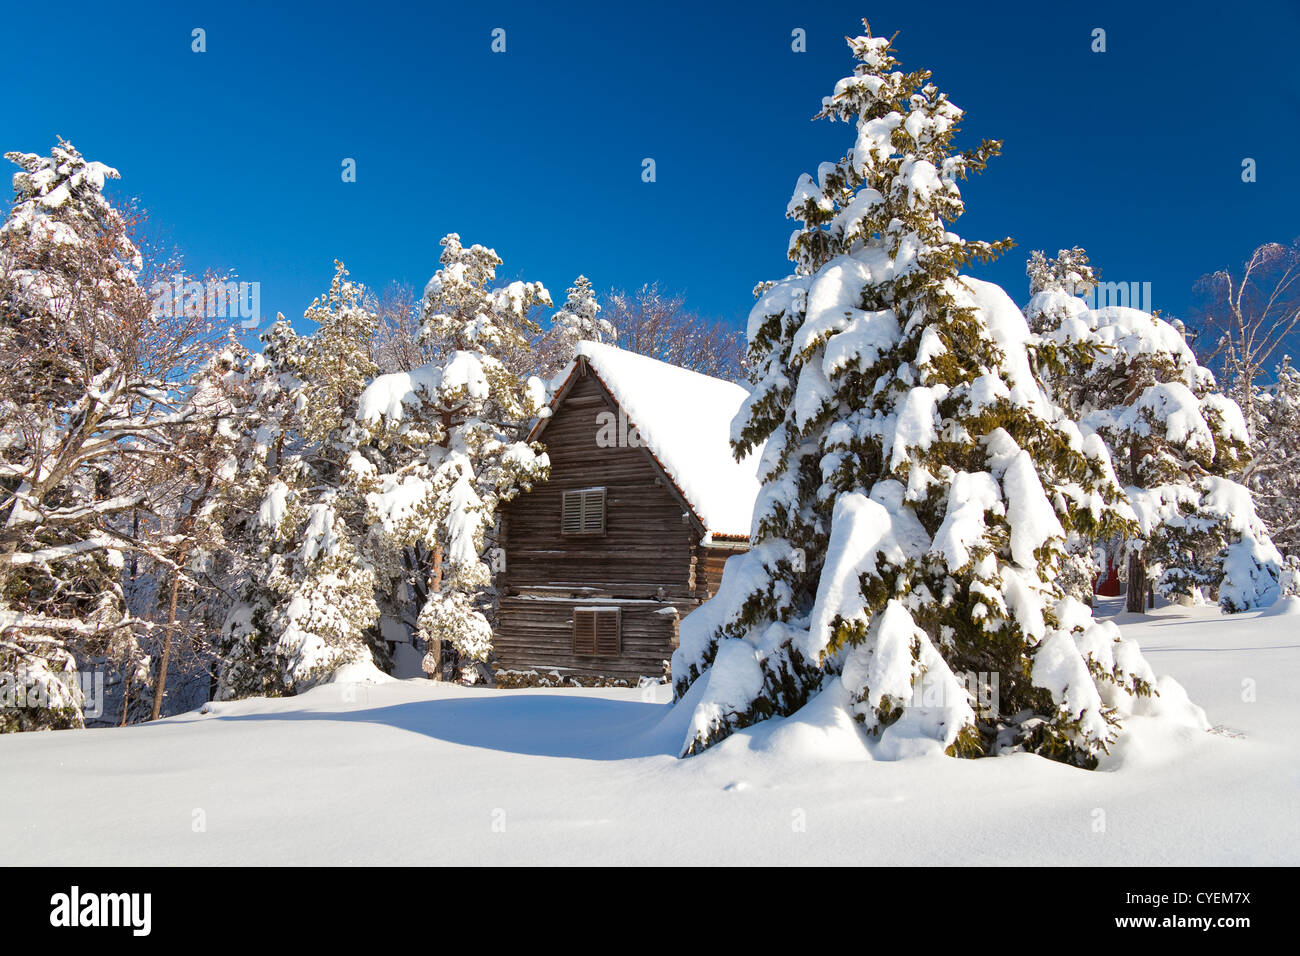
column 1178, row 443
column 918, row 483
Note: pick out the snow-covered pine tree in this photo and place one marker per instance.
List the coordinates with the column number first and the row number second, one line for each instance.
column 266, row 406
column 1055, row 286
column 310, row 608
column 337, row 358
column 578, row 320
column 1070, row 272
column 1273, row 476
column 444, row 446
column 1178, row 444
column 326, row 586
column 917, row 483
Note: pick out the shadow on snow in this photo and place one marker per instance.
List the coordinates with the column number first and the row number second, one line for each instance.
column 583, row 728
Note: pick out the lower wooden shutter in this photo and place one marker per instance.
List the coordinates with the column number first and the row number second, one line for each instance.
column 584, row 632
column 597, row 631
column 607, row 632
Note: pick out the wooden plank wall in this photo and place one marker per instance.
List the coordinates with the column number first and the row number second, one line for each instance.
column 709, row 570
column 537, row 634
column 646, row 546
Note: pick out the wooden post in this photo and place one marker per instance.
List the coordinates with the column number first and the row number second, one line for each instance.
column 1136, row 599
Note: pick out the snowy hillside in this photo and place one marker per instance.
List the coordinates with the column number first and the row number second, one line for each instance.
column 417, row 772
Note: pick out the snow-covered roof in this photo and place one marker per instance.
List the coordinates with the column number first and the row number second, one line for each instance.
column 684, row 418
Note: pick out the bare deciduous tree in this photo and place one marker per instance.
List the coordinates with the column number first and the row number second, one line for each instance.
column 660, row 325
column 93, row 426
column 1245, row 318
column 397, row 346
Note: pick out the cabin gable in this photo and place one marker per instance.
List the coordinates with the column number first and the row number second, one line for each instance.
column 648, row 532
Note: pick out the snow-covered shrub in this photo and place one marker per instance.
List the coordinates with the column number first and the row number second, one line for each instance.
column 39, row 689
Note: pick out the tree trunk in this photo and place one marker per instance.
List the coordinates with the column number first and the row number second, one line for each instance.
column 135, row 536
column 186, row 529
column 435, row 585
column 1136, row 599
column 167, row 645
column 8, row 548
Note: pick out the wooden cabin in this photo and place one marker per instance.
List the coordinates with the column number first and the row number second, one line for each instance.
column 628, row 536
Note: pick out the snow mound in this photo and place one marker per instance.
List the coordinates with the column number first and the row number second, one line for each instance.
column 823, row 730
column 1286, row 607
column 360, row 672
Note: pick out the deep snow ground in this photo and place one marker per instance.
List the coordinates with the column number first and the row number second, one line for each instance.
column 414, row 772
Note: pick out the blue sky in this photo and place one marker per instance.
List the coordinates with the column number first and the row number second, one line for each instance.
column 1134, row 153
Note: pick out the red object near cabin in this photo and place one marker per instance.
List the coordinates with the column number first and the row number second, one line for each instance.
column 1108, row 586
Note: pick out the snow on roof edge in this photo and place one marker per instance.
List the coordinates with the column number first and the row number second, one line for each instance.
column 658, row 398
